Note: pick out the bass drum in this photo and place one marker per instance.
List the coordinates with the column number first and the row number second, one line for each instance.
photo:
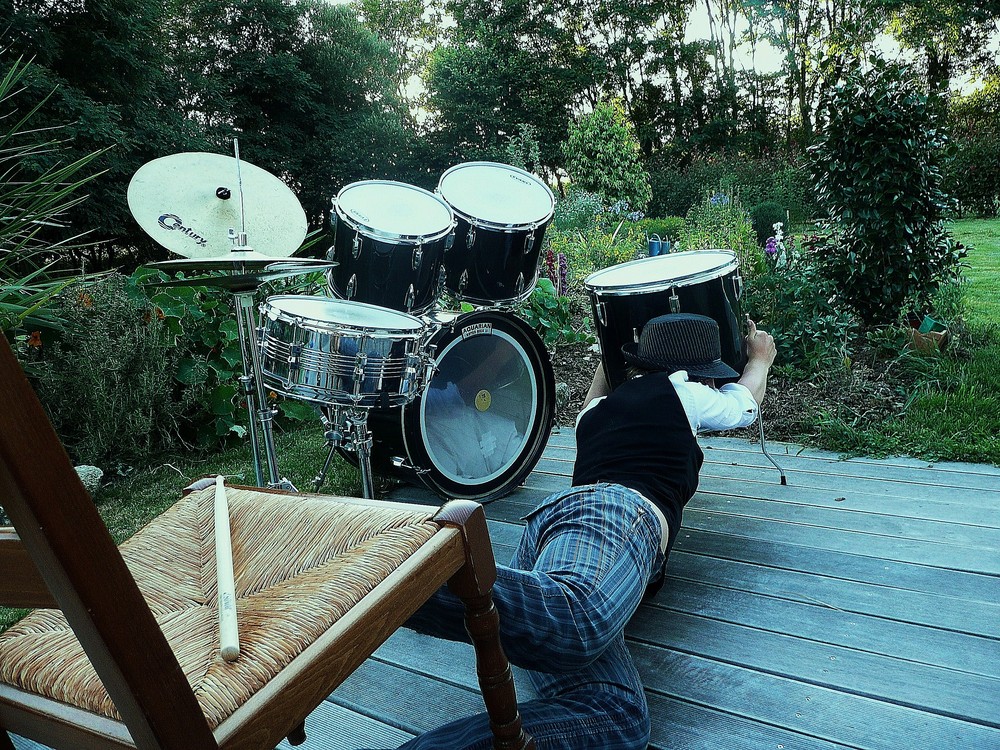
column 480, row 425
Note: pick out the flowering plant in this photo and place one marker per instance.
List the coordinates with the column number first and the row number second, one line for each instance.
column 777, row 251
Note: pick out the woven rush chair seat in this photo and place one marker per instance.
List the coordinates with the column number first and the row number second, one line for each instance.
column 298, row 568
column 123, row 648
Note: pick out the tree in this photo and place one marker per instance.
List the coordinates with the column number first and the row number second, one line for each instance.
column 506, row 65
column 101, row 67
column 952, row 36
column 877, row 168
column 602, row 156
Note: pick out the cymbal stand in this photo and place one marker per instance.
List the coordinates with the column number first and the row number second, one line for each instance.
column 348, row 427
column 253, row 391
column 252, row 379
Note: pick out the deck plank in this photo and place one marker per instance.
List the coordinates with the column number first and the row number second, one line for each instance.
column 856, row 607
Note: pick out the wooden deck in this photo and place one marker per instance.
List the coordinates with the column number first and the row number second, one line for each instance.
column 856, row 607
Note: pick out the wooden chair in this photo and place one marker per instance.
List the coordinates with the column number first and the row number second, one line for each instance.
column 131, row 658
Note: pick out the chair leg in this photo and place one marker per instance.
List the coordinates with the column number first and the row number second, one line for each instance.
column 473, row 584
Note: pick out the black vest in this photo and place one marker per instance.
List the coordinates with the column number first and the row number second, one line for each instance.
column 639, row 437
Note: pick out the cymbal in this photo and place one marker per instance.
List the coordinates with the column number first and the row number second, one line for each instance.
column 231, row 282
column 188, row 202
column 241, row 260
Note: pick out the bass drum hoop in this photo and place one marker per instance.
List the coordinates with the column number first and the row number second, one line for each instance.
column 728, row 263
column 508, row 478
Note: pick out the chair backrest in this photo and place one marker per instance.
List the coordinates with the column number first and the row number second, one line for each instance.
column 59, row 529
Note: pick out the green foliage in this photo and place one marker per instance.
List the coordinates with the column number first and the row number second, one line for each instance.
column 593, row 250
column 669, row 228
column 579, row 210
column 877, row 168
column 798, row 305
column 522, row 149
column 107, row 380
column 764, row 216
column 34, row 203
column 602, row 156
column 720, row 222
column 785, row 181
column 972, row 177
column 553, row 317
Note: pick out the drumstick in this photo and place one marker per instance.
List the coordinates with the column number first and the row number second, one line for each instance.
column 229, row 634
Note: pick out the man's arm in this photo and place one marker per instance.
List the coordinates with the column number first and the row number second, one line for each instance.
column 598, row 386
column 760, row 355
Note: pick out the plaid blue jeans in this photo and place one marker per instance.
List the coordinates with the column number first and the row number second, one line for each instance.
column 576, row 578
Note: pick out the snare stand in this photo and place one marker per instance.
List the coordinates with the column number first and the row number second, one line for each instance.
column 355, row 436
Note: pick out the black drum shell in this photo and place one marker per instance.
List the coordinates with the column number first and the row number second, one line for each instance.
column 398, row 449
column 626, row 314
column 384, row 269
column 501, row 265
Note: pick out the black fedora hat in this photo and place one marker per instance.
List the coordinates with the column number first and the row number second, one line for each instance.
column 681, row 341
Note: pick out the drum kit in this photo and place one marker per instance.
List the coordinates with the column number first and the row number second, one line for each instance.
column 462, row 402
column 459, row 401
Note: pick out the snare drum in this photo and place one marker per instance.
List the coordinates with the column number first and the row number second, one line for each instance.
column 481, row 423
column 501, row 214
column 625, row 297
column 389, row 242
column 334, row 351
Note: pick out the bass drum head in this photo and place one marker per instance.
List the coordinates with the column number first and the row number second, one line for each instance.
column 480, row 425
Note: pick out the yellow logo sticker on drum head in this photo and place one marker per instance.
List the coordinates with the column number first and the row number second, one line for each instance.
column 483, row 400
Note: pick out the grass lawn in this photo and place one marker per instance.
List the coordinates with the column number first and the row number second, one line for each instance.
column 953, row 410
column 983, row 293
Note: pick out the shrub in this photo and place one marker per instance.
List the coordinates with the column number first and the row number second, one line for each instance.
column 720, row 222
column 602, row 156
column 669, row 228
column 578, row 210
column 591, row 251
column 796, row 303
column 877, row 168
column 764, row 216
column 107, row 381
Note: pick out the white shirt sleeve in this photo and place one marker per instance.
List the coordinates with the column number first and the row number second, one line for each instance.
column 708, row 409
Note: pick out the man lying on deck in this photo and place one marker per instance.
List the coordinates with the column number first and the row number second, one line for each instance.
column 589, row 553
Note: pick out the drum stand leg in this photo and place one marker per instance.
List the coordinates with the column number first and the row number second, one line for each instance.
column 253, row 390
column 763, row 447
column 355, row 436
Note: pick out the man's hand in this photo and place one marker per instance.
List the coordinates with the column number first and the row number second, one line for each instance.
column 760, row 354
column 760, row 345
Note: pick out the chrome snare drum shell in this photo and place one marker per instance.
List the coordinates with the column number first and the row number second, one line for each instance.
column 340, row 352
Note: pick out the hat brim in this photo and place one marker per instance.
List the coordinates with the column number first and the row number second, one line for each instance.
column 715, row 369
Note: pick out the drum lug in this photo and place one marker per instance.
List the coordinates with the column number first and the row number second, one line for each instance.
column 470, row 238
column 675, row 302
column 331, row 254
column 463, row 281
column 737, row 285
column 529, row 241
column 352, row 286
column 449, row 240
column 418, row 254
column 519, row 287
column 411, row 297
column 441, row 281
column 359, row 373
column 356, row 245
column 599, row 313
